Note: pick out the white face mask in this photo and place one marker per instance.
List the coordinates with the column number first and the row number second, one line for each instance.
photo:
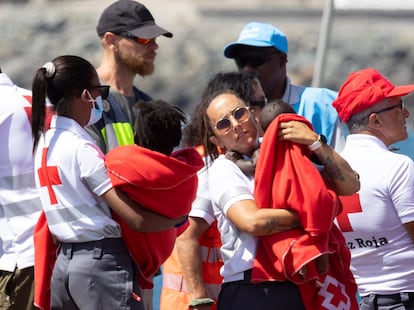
column 96, row 111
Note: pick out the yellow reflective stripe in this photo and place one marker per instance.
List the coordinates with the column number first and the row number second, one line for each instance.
column 124, row 133
column 103, row 132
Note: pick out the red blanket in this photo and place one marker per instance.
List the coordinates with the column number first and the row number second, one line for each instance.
column 164, row 184
column 285, row 178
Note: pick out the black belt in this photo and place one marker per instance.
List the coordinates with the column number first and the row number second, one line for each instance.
column 398, row 297
column 99, row 247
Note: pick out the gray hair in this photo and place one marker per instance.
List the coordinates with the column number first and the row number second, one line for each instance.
column 358, row 122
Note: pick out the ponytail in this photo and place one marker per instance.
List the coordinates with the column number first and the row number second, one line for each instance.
column 39, row 89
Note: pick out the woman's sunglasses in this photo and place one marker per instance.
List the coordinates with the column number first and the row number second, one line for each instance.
column 241, row 115
column 103, row 90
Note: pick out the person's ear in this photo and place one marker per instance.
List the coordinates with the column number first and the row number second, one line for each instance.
column 85, row 95
column 216, row 142
column 110, row 39
column 283, row 58
column 373, row 119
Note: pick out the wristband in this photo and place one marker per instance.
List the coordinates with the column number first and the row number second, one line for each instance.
column 201, row 302
column 318, row 143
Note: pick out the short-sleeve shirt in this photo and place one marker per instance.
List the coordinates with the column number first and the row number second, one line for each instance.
column 228, row 185
column 202, row 206
column 382, row 251
column 76, row 178
column 19, row 198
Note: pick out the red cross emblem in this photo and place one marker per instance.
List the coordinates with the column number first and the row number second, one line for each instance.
column 350, row 204
column 48, row 176
column 334, row 295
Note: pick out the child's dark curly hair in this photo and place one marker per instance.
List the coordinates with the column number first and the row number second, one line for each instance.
column 158, row 125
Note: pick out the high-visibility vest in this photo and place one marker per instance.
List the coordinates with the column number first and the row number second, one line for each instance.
column 174, row 289
column 115, row 128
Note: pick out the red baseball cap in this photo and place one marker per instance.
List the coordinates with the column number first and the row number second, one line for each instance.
column 363, row 89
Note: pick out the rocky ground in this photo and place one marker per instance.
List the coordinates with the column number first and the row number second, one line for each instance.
column 35, row 31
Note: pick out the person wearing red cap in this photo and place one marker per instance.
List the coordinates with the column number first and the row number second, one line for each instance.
column 378, row 221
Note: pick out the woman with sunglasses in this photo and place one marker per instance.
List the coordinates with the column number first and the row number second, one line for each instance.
column 227, row 125
column 94, row 269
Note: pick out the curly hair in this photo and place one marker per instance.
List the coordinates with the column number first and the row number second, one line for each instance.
column 198, row 131
column 158, row 125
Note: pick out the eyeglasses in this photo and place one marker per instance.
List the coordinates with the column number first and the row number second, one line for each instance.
column 241, row 115
column 260, row 103
column 400, row 105
column 103, row 90
column 134, row 38
column 253, row 60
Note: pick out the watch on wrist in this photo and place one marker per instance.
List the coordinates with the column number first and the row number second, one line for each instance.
column 318, row 143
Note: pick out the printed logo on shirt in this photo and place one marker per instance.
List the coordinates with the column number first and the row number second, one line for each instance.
column 359, row 243
column 350, row 204
column 334, row 295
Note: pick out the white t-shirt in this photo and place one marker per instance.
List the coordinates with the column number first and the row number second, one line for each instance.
column 73, row 208
column 19, row 198
column 202, row 206
column 228, row 185
column 382, row 251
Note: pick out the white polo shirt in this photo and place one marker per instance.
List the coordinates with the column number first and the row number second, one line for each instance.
column 19, row 199
column 382, row 251
column 75, row 178
column 228, row 185
column 202, row 206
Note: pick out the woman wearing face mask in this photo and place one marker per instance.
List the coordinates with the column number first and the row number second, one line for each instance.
column 93, row 269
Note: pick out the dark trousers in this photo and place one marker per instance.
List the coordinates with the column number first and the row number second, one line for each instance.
column 400, row 301
column 95, row 275
column 244, row 295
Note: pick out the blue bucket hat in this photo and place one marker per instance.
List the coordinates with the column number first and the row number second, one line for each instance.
column 260, row 35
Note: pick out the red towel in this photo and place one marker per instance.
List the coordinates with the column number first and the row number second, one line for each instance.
column 285, row 178
column 44, row 260
column 165, row 184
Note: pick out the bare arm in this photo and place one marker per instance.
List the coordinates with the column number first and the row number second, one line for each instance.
column 189, row 254
column 261, row 222
column 336, row 169
column 137, row 217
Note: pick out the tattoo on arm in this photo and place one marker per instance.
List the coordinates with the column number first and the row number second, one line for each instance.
column 332, row 169
column 277, row 225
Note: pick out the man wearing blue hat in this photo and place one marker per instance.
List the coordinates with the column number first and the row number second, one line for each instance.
column 262, row 49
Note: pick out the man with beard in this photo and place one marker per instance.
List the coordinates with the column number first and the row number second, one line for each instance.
column 128, row 35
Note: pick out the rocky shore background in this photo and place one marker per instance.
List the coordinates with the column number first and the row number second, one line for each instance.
column 35, row 31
